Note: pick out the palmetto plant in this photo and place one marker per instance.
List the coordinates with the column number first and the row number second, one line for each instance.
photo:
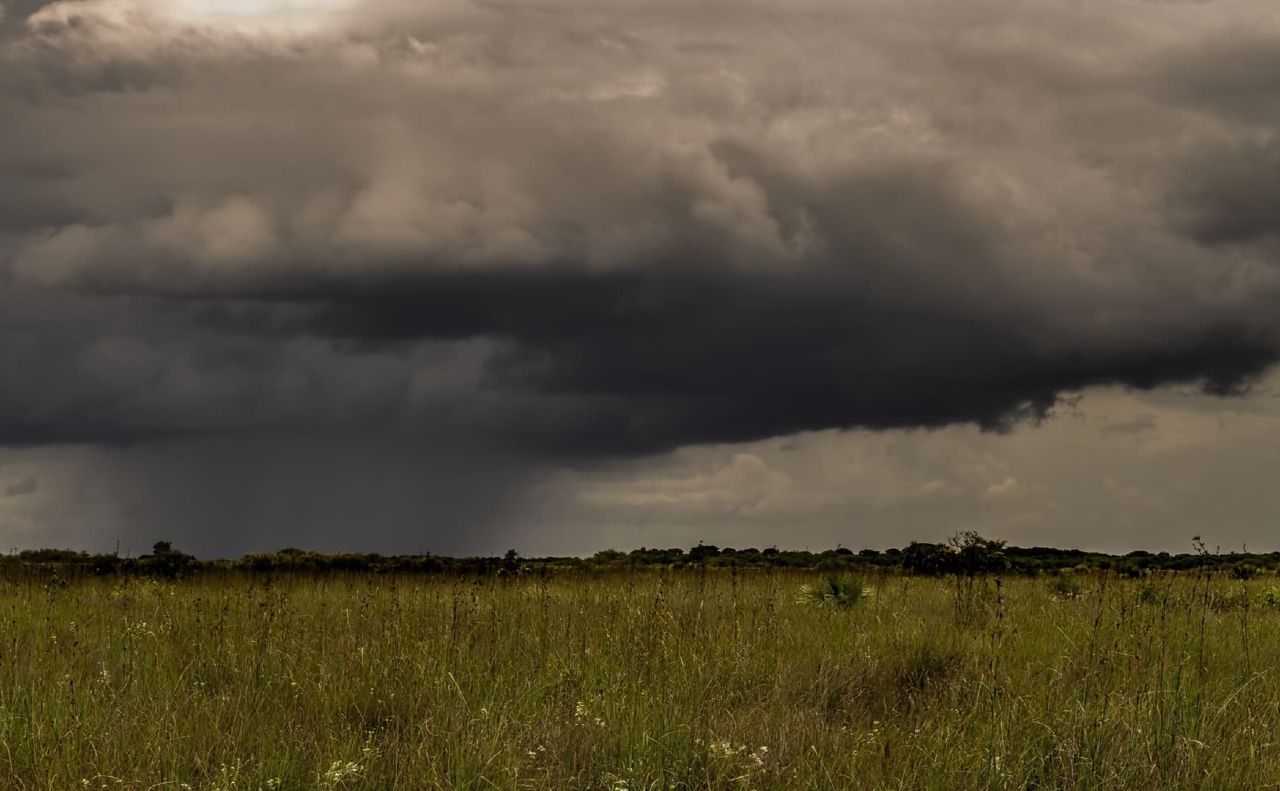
column 835, row 591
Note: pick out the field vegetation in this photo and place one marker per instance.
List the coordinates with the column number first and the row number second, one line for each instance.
column 647, row 678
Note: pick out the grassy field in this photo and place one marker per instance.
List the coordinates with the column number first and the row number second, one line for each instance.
column 641, row 680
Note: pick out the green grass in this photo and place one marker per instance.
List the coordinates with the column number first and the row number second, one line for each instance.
column 638, row 681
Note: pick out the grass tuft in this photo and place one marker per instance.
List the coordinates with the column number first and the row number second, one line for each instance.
column 832, row 591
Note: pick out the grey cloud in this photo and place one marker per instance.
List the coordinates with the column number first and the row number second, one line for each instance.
column 23, row 485
column 1231, row 193
column 616, row 231
column 1230, row 71
column 1134, row 425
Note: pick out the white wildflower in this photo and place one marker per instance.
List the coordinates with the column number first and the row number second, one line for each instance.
column 338, row 774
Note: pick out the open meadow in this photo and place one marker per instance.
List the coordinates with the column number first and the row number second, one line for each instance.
column 648, row 679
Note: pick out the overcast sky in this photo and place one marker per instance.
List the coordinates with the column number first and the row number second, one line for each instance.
column 562, row 274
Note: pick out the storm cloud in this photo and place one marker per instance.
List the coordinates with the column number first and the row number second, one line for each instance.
column 567, row 231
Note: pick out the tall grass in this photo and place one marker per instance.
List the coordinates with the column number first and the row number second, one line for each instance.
column 644, row 680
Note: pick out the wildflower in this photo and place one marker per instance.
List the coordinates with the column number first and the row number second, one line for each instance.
column 338, row 774
column 726, row 750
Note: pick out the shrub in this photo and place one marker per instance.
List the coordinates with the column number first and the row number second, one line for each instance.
column 1243, row 571
column 834, row 591
column 1229, row 601
column 1065, row 586
column 1269, row 596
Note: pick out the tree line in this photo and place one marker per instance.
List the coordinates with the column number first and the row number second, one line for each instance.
column 966, row 553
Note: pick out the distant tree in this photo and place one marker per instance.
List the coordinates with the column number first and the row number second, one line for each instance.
column 974, row 554
column 924, row 558
column 702, row 552
column 606, row 557
column 964, row 553
column 165, row 561
column 511, row 562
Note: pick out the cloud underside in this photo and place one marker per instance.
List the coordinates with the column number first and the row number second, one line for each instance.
column 627, row 230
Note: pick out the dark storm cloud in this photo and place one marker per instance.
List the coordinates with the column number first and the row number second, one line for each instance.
column 673, row 360
column 1231, row 194
column 620, row 230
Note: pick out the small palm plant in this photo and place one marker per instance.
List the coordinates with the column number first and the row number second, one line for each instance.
column 840, row 592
